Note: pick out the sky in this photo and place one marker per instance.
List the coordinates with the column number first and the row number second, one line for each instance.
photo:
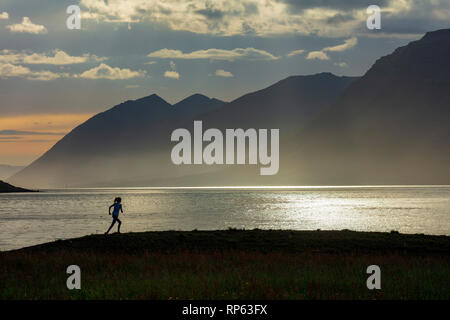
column 53, row 78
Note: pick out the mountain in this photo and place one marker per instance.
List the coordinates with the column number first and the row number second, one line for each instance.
column 7, row 188
column 129, row 145
column 122, row 141
column 197, row 104
column 389, row 127
column 6, row 170
column 287, row 104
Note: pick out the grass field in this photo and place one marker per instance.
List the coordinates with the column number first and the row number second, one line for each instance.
column 231, row 264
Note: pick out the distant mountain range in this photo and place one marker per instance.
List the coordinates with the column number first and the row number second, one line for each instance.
column 123, row 142
column 129, row 144
column 390, row 126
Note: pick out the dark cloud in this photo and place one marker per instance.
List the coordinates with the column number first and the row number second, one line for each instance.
column 212, row 14
column 251, row 8
column 339, row 18
column 16, row 141
column 247, row 29
column 300, row 5
column 29, row 133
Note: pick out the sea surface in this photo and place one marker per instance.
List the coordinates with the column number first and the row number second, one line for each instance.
column 31, row 218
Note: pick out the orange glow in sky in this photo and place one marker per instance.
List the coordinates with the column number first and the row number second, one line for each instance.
column 43, row 131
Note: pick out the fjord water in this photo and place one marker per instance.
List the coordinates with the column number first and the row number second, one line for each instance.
column 32, row 218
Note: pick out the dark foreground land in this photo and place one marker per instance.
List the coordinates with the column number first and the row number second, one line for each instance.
column 231, row 264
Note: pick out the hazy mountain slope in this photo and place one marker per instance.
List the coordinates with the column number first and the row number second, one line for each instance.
column 287, row 104
column 390, row 126
column 6, row 170
column 122, row 141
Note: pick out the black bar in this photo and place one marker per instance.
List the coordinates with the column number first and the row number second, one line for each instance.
column 241, row 309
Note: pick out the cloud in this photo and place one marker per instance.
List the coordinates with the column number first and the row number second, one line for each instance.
column 339, row 18
column 211, row 13
column 215, row 54
column 324, row 18
column 317, row 55
column 27, row 27
column 299, row 5
column 8, row 56
column 8, row 70
column 321, row 55
column 349, row 43
column 21, row 141
column 103, row 71
column 58, row 57
column 4, row 15
column 172, row 75
column 223, row 73
column 29, row 133
column 218, row 17
column 341, row 64
column 295, row 52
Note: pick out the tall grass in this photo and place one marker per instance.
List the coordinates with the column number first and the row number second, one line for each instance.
column 224, row 274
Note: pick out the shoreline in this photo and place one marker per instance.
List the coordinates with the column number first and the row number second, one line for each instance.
column 252, row 240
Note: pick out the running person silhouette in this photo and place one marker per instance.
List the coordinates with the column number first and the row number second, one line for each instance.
column 117, row 208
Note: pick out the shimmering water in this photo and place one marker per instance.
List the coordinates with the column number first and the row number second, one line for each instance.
column 32, row 218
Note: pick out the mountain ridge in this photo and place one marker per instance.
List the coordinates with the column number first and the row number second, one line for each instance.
column 128, row 141
column 389, row 126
